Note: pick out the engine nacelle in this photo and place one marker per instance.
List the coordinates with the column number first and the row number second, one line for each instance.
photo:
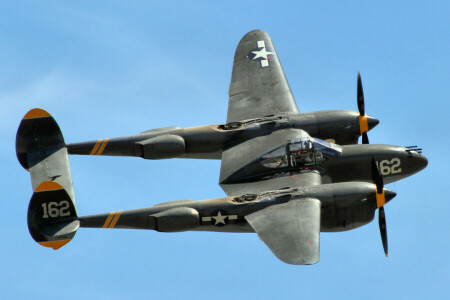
column 342, row 126
column 177, row 219
column 163, row 146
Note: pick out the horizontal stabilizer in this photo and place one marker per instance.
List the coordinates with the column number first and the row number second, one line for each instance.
column 291, row 230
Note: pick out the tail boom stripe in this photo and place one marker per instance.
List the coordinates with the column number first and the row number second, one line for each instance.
column 100, row 151
column 113, row 223
column 95, row 147
column 108, row 220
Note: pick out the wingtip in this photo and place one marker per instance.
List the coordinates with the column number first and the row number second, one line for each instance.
column 251, row 34
column 254, row 31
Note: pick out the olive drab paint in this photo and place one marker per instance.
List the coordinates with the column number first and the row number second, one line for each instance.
column 288, row 175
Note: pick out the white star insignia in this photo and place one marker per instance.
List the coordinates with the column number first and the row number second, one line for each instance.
column 219, row 218
column 262, row 54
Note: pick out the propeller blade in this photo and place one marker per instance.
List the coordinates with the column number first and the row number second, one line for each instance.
column 377, row 178
column 365, row 138
column 360, row 96
column 383, row 231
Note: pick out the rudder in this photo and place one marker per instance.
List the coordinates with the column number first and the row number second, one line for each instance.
column 52, row 217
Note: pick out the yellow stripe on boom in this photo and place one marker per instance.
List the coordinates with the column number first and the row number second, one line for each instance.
column 95, row 147
column 113, row 223
column 105, row 141
column 108, row 220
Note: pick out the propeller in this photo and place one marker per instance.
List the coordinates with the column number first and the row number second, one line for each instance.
column 381, row 200
column 360, row 94
column 383, row 231
column 377, row 178
column 363, row 123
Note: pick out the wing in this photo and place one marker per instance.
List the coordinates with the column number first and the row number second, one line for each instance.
column 258, row 85
column 291, row 230
column 236, row 159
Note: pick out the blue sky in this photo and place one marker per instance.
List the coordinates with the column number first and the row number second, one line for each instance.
column 110, row 68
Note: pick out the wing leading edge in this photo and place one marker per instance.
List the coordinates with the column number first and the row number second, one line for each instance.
column 258, row 85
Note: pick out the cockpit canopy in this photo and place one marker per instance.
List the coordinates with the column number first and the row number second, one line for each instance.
column 302, row 152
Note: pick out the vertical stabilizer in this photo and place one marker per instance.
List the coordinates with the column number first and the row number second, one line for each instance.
column 40, row 149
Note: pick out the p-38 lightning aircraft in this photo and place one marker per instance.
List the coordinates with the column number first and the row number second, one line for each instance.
column 287, row 175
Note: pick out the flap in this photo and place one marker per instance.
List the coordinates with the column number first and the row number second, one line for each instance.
column 291, row 230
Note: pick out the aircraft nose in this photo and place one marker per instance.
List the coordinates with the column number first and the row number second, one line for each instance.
column 421, row 161
column 418, row 161
column 372, row 122
column 389, row 194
